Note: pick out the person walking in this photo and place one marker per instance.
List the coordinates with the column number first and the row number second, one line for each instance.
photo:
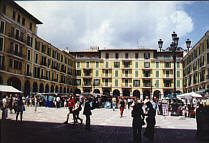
column 151, row 113
column 76, row 112
column 199, row 120
column 138, row 121
column 87, row 113
column 10, row 103
column 20, row 108
column 122, row 106
column 71, row 105
column 113, row 103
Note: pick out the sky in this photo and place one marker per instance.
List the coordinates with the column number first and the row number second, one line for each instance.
column 78, row 25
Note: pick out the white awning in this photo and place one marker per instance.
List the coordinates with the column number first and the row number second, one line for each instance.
column 9, row 89
column 189, row 95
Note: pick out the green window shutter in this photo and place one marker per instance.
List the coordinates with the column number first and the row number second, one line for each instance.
column 97, row 73
column 116, row 73
column 136, row 65
column 157, row 73
column 157, row 64
column 97, row 64
column 157, row 83
column 106, row 64
column 178, row 83
column 136, row 73
column 78, row 64
column 178, row 73
column 178, row 65
column 116, row 82
column 106, row 82
column 87, row 64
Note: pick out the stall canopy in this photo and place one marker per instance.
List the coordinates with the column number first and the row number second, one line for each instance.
column 190, row 95
column 9, row 89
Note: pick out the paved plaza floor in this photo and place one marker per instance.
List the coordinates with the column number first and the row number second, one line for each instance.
column 46, row 126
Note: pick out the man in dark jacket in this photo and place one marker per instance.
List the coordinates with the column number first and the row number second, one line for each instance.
column 87, row 112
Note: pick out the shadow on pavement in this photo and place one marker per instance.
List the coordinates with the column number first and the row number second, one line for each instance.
column 45, row 132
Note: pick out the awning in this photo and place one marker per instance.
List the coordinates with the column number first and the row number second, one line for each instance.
column 190, row 95
column 9, row 89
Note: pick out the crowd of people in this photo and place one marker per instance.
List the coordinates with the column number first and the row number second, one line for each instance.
column 140, row 109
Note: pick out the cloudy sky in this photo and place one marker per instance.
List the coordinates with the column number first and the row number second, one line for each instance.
column 79, row 25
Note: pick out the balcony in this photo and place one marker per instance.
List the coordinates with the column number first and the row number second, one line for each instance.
column 107, row 76
column 127, row 76
column 19, row 54
column 87, row 85
column 16, row 37
column 28, row 74
column 43, row 63
column 168, row 77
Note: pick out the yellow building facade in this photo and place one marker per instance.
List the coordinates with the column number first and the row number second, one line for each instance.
column 28, row 62
column 196, row 66
column 127, row 72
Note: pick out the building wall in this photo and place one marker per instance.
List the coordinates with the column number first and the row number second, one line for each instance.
column 119, row 82
column 196, row 66
column 19, row 46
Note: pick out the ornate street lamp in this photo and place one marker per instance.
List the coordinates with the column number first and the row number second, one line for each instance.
column 160, row 43
column 188, row 43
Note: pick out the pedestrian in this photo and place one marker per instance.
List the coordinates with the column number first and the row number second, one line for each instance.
column 138, row 121
column 58, row 101
column 20, row 108
column 151, row 113
column 113, row 103
column 199, row 119
column 122, row 106
column 35, row 103
column 71, row 105
column 10, row 103
column 87, row 113
column 76, row 112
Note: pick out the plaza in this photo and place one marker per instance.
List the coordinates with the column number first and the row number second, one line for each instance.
column 46, row 125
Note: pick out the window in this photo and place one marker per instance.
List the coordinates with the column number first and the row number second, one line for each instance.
column 116, row 64
column 126, row 73
column 167, row 73
column 157, row 64
column 116, row 73
column 87, row 64
column 78, row 72
column 78, row 64
column 14, row 15
column 31, row 26
column 97, row 73
column 2, row 27
column 97, row 64
column 96, row 82
column 106, row 73
column 17, row 34
column 21, row 36
column 116, row 55
column 106, row 64
column 23, row 21
column 146, row 55
column 136, row 55
column 44, row 48
column 146, row 64
column 107, row 55
column 15, row 64
column 178, row 74
column 106, row 82
column 36, row 58
column 10, row 63
column 28, row 55
column 157, row 73
column 1, row 61
column 18, row 18
column 136, row 73
column 136, row 83
column 178, row 84
column 116, row 82
column 1, row 44
column 157, row 83
column 167, row 64
column 136, row 64
column 126, row 82
column 126, row 55
column 127, row 64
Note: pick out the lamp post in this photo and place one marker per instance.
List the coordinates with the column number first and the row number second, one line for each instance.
column 188, row 44
column 160, row 43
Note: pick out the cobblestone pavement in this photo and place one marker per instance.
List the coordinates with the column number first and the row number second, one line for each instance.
column 46, row 126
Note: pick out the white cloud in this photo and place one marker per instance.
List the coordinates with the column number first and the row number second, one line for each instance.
column 79, row 25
